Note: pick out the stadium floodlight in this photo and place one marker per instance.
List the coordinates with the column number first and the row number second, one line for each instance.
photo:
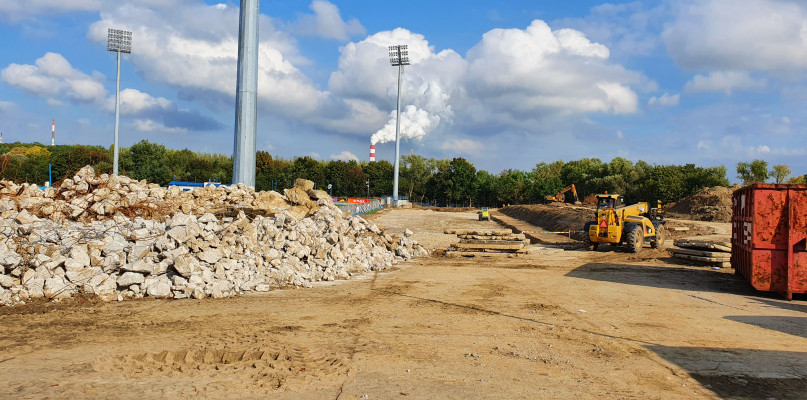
column 398, row 57
column 246, row 95
column 120, row 42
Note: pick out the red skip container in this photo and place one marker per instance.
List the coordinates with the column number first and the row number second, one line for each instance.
column 769, row 237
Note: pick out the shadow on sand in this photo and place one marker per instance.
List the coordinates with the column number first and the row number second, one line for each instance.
column 742, row 373
column 701, row 280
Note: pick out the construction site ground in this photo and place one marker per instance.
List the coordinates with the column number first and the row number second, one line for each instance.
column 560, row 323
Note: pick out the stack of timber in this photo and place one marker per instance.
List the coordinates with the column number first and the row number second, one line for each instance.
column 475, row 243
column 711, row 252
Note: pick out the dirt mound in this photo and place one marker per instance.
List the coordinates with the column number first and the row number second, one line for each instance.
column 709, row 204
column 551, row 218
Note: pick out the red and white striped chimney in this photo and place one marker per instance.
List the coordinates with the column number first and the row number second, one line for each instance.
column 372, row 152
column 53, row 133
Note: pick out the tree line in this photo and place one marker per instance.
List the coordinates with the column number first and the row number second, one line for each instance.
column 425, row 180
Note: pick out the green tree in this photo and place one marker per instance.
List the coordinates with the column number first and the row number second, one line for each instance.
column 149, row 161
column 546, row 180
column 462, row 175
column 485, row 189
column 439, row 184
column 754, row 172
column 780, row 172
column 379, row 173
column 413, row 175
column 311, row 169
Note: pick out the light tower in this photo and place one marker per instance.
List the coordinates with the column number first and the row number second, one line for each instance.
column 246, row 96
column 120, row 42
column 398, row 57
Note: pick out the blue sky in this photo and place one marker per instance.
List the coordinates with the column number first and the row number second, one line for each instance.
column 503, row 84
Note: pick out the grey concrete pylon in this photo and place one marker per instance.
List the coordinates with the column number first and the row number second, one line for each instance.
column 246, row 97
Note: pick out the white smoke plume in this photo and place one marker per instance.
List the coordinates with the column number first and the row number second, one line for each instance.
column 415, row 124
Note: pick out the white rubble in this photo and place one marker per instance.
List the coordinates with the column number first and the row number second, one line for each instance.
column 164, row 243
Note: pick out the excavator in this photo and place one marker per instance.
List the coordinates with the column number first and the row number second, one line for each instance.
column 561, row 195
column 619, row 224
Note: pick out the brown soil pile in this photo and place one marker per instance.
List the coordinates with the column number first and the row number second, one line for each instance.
column 553, row 219
column 709, row 204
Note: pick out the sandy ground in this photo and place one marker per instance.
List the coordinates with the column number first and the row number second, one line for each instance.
column 552, row 324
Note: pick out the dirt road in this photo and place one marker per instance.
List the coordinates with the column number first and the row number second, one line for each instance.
column 553, row 324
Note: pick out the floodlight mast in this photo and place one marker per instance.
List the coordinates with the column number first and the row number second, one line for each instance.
column 398, row 57
column 120, row 42
column 246, row 97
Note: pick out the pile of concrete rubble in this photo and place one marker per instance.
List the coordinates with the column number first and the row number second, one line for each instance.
column 117, row 238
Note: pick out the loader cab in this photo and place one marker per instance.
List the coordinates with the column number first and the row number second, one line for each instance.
column 610, row 201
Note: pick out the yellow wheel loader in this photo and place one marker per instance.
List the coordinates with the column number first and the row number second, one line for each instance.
column 631, row 226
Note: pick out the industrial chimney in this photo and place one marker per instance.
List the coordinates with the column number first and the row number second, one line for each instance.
column 372, row 153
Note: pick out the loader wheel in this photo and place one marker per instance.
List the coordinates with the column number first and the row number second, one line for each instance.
column 660, row 236
column 587, row 240
column 635, row 238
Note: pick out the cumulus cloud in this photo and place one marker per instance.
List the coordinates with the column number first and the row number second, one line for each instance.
column 760, row 35
column 465, row 146
column 199, row 56
column 665, row 100
column 151, row 126
column 52, row 76
column 511, row 78
column 327, row 22
column 724, row 81
column 523, row 74
column 345, row 156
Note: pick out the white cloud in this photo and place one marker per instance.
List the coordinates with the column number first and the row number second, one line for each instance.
column 147, row 125
column 327, row 22
column 665, row 100
column 199, row 56
column 53, row 76
column 760, row 35
column 465, row 146
column 6, row 106
column 511, row 79
column 135, row 102
column 345, row 156
column 523, row 74
column 724, row 81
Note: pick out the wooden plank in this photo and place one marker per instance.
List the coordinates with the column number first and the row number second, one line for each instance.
column 489, row 246
column 516, row 242
column 494, row 232
column 704, row 244
column 496, row 237
column 483, row 254
column 703, row 259
column 702, row 253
